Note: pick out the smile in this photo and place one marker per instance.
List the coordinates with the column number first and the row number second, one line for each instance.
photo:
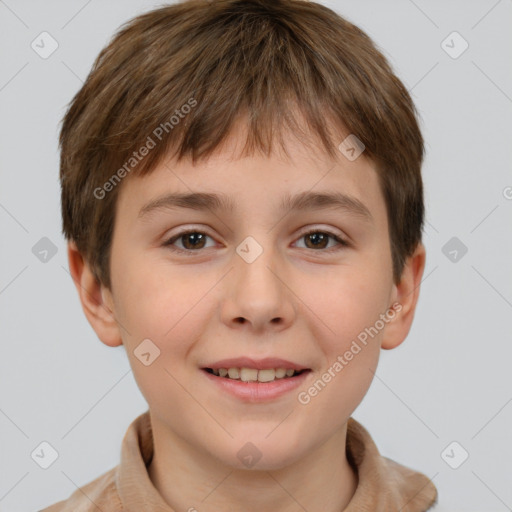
column 255, row 375
column 245, row 385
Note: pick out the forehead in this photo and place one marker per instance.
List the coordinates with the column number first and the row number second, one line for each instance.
column 299, row 175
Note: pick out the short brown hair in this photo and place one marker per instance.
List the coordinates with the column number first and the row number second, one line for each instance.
column 223, row 59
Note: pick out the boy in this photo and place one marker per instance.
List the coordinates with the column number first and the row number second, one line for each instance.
column 242, row 196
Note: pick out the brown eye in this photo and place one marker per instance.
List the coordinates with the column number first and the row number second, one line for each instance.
column 191, row 241
column 317, row 239
column 320, row 240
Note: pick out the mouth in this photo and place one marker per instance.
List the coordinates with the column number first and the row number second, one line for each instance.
column 256, row 375
column 255, row 380
column 256, row 385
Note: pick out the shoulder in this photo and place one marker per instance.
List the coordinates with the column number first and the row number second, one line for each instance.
column 415, row 489
column 384, row 484
column 100, row 494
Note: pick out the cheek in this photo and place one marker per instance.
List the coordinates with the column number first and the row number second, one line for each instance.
column 346, row 302
column 150, row 295
column 350, row 352
column 349, row 305
column 159, row 308
column 160, row 304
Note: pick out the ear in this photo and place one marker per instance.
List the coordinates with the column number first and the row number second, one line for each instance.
column 96, row 299
column 405, row 297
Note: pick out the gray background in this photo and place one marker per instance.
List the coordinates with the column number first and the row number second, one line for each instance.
column 450, row 381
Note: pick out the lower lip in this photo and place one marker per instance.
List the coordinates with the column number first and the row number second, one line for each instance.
column 257, row 391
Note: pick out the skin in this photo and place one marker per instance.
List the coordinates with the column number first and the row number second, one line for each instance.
column 297, row 301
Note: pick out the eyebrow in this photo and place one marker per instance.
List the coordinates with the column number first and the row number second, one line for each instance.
column 304, row 201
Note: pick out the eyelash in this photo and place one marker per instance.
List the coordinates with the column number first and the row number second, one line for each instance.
column 189, row 252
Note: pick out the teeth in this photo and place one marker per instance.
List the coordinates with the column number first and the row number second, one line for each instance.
column 233, row 373
column 254, row 375
column 247, row 375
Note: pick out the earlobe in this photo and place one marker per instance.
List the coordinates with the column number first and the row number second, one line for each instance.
column 95, row 298
column 406, row 294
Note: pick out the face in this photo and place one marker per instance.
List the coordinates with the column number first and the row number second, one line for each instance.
column 259, row 281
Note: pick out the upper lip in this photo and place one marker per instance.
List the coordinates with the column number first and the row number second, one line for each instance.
column 259, row 364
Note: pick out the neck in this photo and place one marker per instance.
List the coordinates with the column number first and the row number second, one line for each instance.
column 323, row 481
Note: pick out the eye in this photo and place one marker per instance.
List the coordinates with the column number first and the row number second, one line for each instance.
column 317, row 239
column 192, row 240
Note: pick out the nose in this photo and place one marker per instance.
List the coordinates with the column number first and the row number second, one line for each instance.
column 257, row 294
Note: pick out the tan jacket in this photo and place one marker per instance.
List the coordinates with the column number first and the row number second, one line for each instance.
column 384, row 485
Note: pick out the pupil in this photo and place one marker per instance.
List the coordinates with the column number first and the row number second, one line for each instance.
column 317, row 237
column 193, row 236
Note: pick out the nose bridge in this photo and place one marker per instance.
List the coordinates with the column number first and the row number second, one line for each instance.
column 254, row 263
column 257, row 294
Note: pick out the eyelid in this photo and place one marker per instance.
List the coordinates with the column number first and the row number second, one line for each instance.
column 323, row 229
